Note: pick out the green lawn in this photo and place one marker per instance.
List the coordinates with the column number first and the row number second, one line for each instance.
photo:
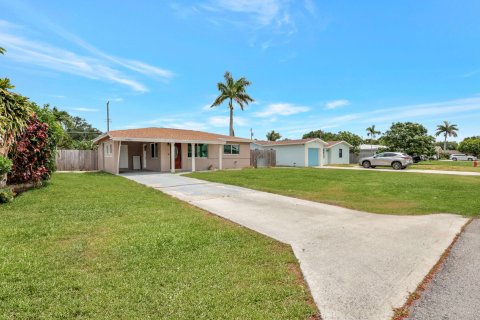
column 372, row 191
column 99, row 246
column 446, row 165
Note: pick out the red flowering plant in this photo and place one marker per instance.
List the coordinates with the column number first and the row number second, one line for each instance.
column 30, row 153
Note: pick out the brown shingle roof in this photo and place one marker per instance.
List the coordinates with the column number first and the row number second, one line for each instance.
column 283, row 142
column 168, row 134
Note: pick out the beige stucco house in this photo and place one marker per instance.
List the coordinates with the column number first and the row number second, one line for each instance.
column 168, row 150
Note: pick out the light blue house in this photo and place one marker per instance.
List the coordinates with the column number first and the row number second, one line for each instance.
column 311, row 152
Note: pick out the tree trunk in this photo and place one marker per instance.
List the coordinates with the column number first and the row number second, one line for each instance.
column 231, row 119
column 445, row 144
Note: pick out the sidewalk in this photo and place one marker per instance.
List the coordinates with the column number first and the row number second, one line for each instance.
column 386, row 169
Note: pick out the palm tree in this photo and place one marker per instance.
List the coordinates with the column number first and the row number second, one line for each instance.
column 371, row 132
column 448, row 130
column 232, row 90
column 2, row 50
column 273, row 136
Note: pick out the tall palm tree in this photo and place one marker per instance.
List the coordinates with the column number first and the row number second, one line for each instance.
column 232, row 90
column 2, row 50
column 371, row 132
column 448, row 130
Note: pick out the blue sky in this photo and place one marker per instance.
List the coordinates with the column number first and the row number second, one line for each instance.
column 331, row 65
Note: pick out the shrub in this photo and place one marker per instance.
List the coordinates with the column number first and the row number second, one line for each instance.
column 6, row 195
column 30, row 154
column 5, row 165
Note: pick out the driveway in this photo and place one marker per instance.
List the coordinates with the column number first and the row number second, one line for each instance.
column 454, row 291
column 358, row 265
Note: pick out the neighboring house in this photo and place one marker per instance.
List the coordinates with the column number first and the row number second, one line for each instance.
column 167, row 150
column 311, row 152
column 295, row 153
column 337, row 152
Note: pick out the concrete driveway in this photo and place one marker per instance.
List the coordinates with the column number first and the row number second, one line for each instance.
column 358, row 265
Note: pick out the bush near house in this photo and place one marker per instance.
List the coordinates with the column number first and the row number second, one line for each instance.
column 6, row 195
column 30, row 154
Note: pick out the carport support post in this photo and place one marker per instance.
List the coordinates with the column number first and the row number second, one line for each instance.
column 220, row 156
column 172, row 157
column 118, row 156
column 193, row 156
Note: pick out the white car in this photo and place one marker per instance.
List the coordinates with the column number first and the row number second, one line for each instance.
column 462, row 157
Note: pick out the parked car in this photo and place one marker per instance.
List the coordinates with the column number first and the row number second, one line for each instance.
column 462, row 157
column 396, row 160
column 416, row 159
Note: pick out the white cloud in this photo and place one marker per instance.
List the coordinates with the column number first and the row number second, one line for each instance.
column 282, row 109
column 99, row 66
column 224, row 121
column 265, row 12
column 336, row 104
column 85, row 109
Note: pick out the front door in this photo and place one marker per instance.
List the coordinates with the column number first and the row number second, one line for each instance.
column 178, row 156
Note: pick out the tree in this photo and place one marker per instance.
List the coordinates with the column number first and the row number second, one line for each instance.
column 232, row 90
column 15, row 110
column 273, row 136
column 470, row 145
column 409, row 137
column 448, row 130
column 349, row 137
column 451, row 145
column 2, row 50
column 320, row 134
column 371, row 132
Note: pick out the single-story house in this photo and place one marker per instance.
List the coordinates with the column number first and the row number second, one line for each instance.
column 337, row 152
column 310, row 152
column 168, row 150
column 295, row 153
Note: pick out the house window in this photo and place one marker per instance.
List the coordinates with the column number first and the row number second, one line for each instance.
column 200, row 152
column 340, row 153
column 108, row 149
column 154, row 150
column 231, row 149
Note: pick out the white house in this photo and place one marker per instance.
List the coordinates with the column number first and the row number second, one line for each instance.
column 337, row 152
column 312, row 152
column 295, row 153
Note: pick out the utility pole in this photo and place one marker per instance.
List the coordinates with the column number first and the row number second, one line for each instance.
column 251, row 134
column 108, row 116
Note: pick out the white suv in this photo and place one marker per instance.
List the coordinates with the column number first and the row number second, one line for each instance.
column 460, row 156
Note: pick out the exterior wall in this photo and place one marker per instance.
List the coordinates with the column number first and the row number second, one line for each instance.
column 333, row 152
column 108, row 163
column 153, row 164
column 164, row 154
column 290, row 155
column 229, row 161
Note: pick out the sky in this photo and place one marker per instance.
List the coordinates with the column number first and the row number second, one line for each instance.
column 329, row 65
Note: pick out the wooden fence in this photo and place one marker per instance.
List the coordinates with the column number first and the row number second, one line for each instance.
column 77, row 160
column 263, row 158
